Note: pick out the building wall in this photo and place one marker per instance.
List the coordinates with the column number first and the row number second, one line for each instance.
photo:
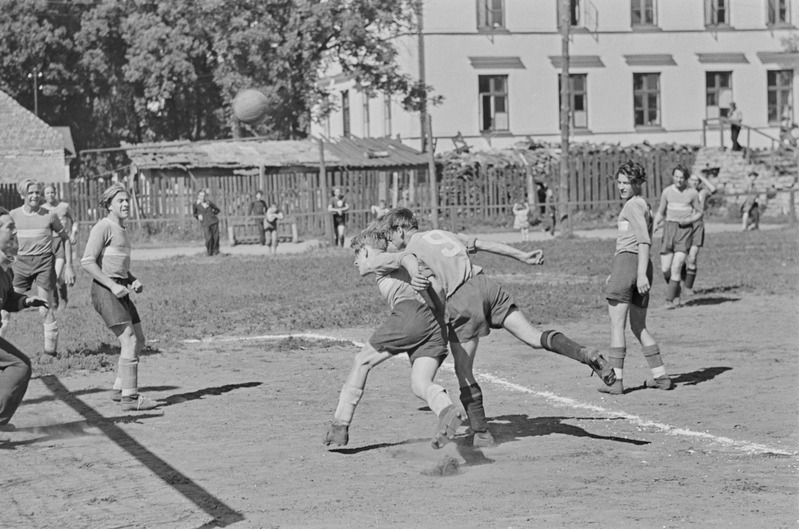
column 606, row 52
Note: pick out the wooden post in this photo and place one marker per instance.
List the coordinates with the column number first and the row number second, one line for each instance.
column 323, row 190
column 394, row 189
column 431, row 173
column 792, row 207
column 565, row 110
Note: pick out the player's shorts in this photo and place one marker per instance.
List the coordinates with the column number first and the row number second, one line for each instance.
column 675, row 238
column 34, row 269
column 478, row 306
column 58, row 248
column 698, row 234
column 339, row 221
column 411, row 328
column 114, row 311
column 623, row 281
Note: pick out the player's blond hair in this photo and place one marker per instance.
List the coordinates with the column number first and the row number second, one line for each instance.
column 371, row 236
column 23, row 185
column 399, row 218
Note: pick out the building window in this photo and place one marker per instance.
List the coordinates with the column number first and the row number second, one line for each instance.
column 717, row 12
column 718, row 94
column 646, row 99
column 345, row 113
column 578, row 94
column 490, row 14
column 574, row 13
column 643, row 12
column 386, row 115
column 778, row 14
column 366, row 120
column 780, row 88
column 493, row 102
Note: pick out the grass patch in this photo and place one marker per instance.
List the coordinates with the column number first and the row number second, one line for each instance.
column 197, row 297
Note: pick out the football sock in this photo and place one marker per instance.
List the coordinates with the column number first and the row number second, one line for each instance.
column 557, row 342
column 653, row 358
column 50, row 337
column 117, row 383
column 616, row 358
column 472, row 400
column 690, row 276
column 667, row 275
column 437, row 398
column 673, row 290
column 348, row 399
column 129, row 373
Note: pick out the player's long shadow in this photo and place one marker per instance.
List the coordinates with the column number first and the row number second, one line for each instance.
column 48, row 398
column 179, row 398
column 508, row 428
column 377, row 446
column 714, row 300
column 689, row 379
column 221, row 514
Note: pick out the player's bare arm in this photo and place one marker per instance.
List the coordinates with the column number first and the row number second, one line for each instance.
column 98, row 275
column 419, row 281
column 533, row 257
column 642, row 281
column 660, row 214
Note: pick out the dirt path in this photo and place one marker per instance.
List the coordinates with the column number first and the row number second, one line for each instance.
column 238, row 442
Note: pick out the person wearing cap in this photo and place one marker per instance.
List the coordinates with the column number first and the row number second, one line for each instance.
column 750, row 210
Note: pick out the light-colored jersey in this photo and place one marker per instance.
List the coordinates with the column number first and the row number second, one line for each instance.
column 680, row 205
column 634, row 225
column 35, row 230
column 395, row 287
column 447, row 255
column 64, row 214
column 109, row 247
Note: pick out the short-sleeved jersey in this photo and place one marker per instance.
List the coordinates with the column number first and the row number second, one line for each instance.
column 680, row 205
column 64, row 214
column 338, row 202
column 634, row 225
column 447, row 255
column 395, row 287
column 109, row 247
column 35, row 230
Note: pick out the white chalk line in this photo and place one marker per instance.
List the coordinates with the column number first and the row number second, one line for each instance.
column 743, row 446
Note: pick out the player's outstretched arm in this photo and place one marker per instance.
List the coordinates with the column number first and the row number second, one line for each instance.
column 533, row 257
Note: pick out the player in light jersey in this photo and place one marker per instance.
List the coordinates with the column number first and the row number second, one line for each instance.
column 475, row 304
column 64, row 213
column 107, row 259
column 413, row 328
column 631, row 279
column 704, row 188
column 679, row 209
column 35, row 263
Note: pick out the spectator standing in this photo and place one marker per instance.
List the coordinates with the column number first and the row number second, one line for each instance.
column 273, row 214
column 521, row 220
column 339, row 207
column 735, row 118
column 206, row 212
column 258, row 209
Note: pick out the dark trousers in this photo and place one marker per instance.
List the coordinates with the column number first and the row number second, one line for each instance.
column 15, row 373
column 211, row 234
column 735, row 130
column 259, row 223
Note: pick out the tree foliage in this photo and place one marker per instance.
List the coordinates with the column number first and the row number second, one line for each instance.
column 143, row 70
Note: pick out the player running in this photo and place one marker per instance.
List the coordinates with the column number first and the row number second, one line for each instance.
column 35, row 263
column 704, row 188
column 411, row 327
column 107, row 260
column 475, row 304
column 679, row 208
column 631, row 279
column 64, row 213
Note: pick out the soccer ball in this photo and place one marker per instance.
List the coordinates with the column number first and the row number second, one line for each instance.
column 250, row 106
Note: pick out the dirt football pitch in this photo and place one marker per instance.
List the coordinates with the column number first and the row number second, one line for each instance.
column 238, row 440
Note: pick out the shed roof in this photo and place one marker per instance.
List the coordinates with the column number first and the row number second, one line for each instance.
column 251, row 153
column 29, row 147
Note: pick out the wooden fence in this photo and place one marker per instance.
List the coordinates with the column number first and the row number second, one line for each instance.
column 480, row 195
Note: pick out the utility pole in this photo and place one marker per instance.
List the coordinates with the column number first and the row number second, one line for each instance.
column 35, row 75
column 565, row 111
column 420, row 45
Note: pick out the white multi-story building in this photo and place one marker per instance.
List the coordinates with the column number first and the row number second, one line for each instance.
column 639, row 70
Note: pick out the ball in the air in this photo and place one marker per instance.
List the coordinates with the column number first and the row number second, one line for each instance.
column 250, row 106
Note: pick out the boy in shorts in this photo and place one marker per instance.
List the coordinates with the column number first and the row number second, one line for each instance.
column 631, row 279
column 679, row 209
column 107, row 260
column 273, row 214
column 475, row 304
column 64, row 213
column 704, row 188
column 412, row 327
column 35, row 263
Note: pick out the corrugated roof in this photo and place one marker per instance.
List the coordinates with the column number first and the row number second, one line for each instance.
column 29, row 147
column 236, row 154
